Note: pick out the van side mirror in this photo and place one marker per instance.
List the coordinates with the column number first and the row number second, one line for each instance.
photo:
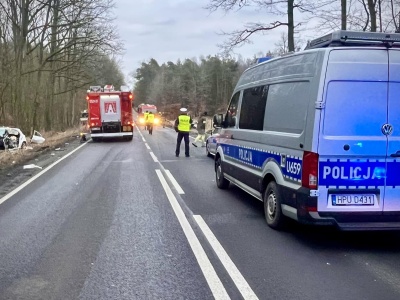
column 218, row 120
column 230, row 120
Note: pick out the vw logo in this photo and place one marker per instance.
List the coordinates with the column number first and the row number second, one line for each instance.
column 387, row 129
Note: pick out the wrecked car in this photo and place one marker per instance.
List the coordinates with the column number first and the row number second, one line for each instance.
column 12, row 138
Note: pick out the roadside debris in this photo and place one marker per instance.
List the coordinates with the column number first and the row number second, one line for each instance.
column 32, row 166
column 37, row 138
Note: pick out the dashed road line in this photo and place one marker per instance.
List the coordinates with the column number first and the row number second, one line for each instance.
column 174, row 182
column 214, row 282
column 147, row 146
column 153, row 157
column 229, row 265
column 12, row 193
column 141, row 134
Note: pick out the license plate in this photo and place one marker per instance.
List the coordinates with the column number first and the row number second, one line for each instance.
column 353, row 199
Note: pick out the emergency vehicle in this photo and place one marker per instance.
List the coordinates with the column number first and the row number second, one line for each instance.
column 110, row 112
column 142, row 108
column 315, row 135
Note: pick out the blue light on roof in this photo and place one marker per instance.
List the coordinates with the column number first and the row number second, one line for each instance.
column 262, row 59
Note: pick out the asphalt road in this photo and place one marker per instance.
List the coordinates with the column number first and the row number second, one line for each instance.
column 107, row 222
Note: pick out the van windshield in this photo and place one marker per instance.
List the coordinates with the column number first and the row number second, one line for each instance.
column 355, row 108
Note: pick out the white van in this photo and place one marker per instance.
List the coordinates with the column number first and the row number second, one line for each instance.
column 315, row 135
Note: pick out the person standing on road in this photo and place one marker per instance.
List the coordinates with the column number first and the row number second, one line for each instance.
column 201, row 130
column 150, row 122
column 182, row 125
column 145, row 119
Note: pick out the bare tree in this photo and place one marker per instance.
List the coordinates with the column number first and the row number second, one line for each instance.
column 370, row 8
column 279, row 8
column 365, row 15
column 282, row 46
column 53, row 47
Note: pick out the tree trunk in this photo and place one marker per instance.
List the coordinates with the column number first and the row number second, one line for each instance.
column 290, row 9
column 380, row 15
column 344, row 14
column 52, row 78
column 73, row 109
column 372, row 12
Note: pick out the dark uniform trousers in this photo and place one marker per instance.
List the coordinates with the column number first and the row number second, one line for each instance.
column 185, row 136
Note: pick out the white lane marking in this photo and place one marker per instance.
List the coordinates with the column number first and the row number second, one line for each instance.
column 153, row 157
column 229, row 265
column 147, row 146
column 206, row 267
column 13, row 192
column 174, row 182
column 143, row 139
column 140, row 133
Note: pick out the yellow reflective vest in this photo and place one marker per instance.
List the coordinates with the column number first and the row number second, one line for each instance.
column 150, row 118
column 184, row 123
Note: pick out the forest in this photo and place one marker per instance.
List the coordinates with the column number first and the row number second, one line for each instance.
column 206, row 83
column 50, row 51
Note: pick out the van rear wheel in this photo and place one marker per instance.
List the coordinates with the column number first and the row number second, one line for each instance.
column 272, row 207
column 222, row 182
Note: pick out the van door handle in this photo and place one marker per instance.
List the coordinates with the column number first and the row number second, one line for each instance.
column 397, row 154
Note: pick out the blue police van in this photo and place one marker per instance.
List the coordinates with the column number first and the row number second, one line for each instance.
column 315, row 135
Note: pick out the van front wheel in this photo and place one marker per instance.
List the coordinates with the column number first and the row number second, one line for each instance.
column 272, row 206
column 222, row 182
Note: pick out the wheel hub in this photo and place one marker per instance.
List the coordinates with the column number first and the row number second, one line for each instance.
column 219, row 170
column 271, row 205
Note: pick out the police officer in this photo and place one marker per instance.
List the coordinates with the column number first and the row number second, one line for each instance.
column 182, row 125
column 145, row 119
column 150, row 122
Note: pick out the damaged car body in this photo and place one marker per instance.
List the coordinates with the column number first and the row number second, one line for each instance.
column 12, row 138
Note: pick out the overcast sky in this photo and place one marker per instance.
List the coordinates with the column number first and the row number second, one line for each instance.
column 168, row 30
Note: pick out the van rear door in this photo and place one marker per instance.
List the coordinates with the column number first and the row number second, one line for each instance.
column 352, row 148
column 392, row 192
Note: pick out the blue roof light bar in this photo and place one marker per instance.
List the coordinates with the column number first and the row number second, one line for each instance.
column 355, row 38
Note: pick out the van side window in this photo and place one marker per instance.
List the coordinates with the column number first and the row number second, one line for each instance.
column 287, row 107
column 253, row 108
column 230, row 118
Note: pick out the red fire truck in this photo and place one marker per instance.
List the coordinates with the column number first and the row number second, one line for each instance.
column 110, row 112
